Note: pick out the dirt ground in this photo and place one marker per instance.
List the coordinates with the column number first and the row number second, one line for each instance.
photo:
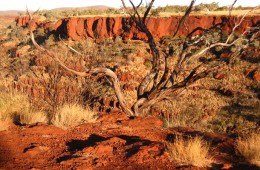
column 114, row 142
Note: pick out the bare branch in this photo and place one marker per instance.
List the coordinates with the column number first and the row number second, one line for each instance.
column 140, row 4
column 210, row 47
column 49, row 53
column 225, row 44
column 182, row 21
column 231, row 7
column 135, row 10
column 148, row 10
column 117, row 87
column 239, row 23
column 72, row 49
column 144, row 84
column 127, row 10
column 159, row 95
column 193, row 77
column 52, row 55
column 138, row 104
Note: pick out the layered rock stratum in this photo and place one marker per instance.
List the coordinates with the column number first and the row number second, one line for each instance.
column 79, row 28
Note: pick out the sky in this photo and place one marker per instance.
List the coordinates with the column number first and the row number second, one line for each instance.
column 50, row 4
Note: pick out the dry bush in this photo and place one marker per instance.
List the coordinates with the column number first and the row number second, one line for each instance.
column 208, row 106
column 70, row 115
column 191, row 108
column 13, row 104
column 249, row 148
column 15, row 107
column 33, row 117
column 191, row 151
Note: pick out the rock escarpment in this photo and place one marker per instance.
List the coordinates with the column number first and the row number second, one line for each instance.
column 77, row 28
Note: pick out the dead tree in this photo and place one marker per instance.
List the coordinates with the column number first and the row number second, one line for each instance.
column 165, row 81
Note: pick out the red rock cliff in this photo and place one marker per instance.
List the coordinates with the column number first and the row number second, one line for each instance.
column 105, row 27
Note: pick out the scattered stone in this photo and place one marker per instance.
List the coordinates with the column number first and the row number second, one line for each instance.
column 220, row 76
column 227, row 166
column 256, row 76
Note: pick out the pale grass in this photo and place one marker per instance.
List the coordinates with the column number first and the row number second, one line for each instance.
column 70, row 115
column 4, row 125
column 13, row 104
column 191, row 151
column 15, row 107
column 235, row 12
column 249, row 148
column 33, row 117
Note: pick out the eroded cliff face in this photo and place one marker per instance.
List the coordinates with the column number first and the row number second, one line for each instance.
column 106, row 27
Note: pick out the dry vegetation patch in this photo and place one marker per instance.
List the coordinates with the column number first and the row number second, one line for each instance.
column 70, row 115
column 249, row 148
column 191, row 151
column 15, row 107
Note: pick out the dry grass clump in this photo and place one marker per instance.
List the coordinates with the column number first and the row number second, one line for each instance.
column 33, row 117
column 12, row 104
column 249, row 148
column 70, row 115
column 15, row 107
column 191, row 151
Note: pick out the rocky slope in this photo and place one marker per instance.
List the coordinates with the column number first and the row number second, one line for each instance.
column 77, row 28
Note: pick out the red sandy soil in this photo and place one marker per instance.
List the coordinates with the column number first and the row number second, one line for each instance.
column 114, row 142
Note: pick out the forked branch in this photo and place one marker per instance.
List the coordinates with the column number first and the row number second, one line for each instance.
column 168, row 83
